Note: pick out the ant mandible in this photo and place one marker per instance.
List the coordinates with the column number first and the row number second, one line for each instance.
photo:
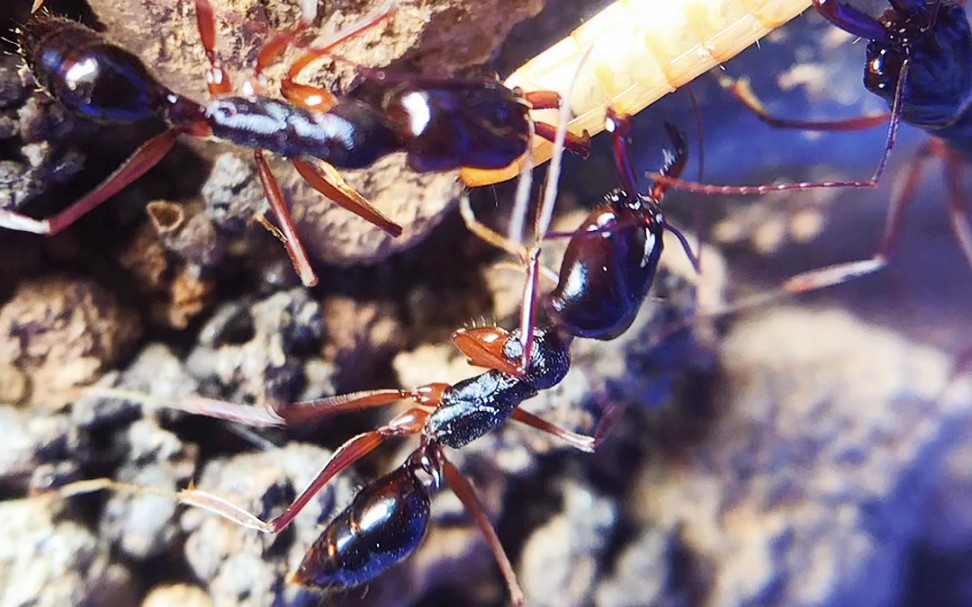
column 617, row 248
column 441, row 123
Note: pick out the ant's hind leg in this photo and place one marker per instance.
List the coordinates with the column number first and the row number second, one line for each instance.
column 139, row 163
column 578, row 441
column 467, row 495
column 288, row 232
column 410, row 422
column 742, row 91
column 957, row 210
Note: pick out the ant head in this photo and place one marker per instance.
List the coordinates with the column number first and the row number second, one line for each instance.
column 935, row 40
column 549, row 357
column 452, row 124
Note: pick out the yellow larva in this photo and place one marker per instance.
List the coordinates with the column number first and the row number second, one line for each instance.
column 643, row 50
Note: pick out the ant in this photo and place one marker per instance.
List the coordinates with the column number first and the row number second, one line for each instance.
column 440, row 123
column 605, row 276
column 918, row 59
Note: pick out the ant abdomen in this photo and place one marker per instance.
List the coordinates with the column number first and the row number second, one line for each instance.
column 88, row 74
column 605, row 277
column 385, row 523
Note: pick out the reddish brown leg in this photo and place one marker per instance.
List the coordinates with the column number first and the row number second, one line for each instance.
column 467, row 495
column 272, row 50
column 578, row 441
column 958, row 213
column 702, row 188
column 295, row 249
column 217, row 78
column 410, row 422
column 314, row 98
column 578, row 144
column 407, row 423
column 139, row 163
column 329, row 182
column 427, row 396
column 542, row 100
column 740, row 89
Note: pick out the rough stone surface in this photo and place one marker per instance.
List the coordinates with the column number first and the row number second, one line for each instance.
column 810, row 487
column 46, row 563
column 561, row 560
column 183, row 595
column 63, row 333
column 256, row 351
column 41, row 129
column 240, row 566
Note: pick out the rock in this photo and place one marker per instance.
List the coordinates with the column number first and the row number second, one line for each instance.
column 240, row 566
column 143, row 526
column 561, row 560
column 645, row 573
column 183, row 595
column 44, row 563
column 64, row 333
column 257, row 352
column 810, row 487
column 362, row 335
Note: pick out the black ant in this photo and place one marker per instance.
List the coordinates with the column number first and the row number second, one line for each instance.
column 441, row 123
column 919, row 60
column 605, row 276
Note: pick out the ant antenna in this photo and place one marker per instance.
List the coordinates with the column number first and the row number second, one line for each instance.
column 544, row 216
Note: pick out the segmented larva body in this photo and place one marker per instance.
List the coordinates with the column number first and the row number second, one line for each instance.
column 642, row 50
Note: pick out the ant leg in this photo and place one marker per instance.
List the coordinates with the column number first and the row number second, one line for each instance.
column 491, row 237
column 147, row 156
column 741, row 89
column 408, row 423
column 701, row 188
column 851, row 20
column 578, row 144
column 487, row 234
column 958, row 213
column 428, row 395
column 578, row 441
column 311, row 97
column 272, row 50
column 546, row 100
column 836, row 274
column 291, row 241
column 467, row 495
column 217, row 78
column 329, row 182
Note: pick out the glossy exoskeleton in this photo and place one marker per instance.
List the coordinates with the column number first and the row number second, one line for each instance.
column 604, row 280
column 441, row 124
column 606, row 274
